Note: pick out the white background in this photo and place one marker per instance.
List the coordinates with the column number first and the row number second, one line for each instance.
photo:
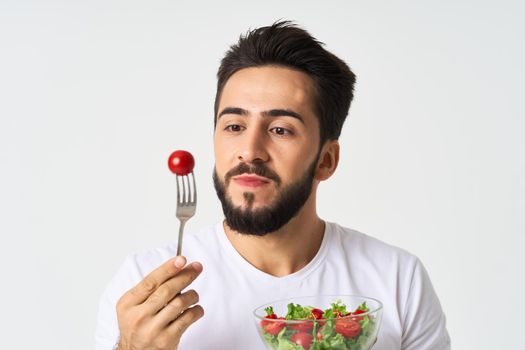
column 94, row 95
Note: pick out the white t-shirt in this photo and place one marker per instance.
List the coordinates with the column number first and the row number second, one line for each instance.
column 230, row 288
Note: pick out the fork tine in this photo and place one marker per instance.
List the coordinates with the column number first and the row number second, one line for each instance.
column 184, row 190
column 190, row 191
column 178, row 188
column 194, row 189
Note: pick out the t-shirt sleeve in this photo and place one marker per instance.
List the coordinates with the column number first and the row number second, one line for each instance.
column 424, row 323
column 107, row 331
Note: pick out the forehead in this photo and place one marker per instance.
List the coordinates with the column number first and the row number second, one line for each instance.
column 269, row 87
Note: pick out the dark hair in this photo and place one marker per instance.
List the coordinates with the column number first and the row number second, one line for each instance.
column 285, row 44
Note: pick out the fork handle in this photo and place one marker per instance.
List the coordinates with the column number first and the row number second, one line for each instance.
column 181, row 232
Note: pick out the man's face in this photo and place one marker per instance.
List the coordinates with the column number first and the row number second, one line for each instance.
column 266, row 147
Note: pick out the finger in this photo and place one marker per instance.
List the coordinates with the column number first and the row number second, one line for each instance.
column 188, row 317
column 174, row 308
column 138, row 294
column 169, row 289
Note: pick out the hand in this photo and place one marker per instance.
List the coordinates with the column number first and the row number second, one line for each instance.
column 153, row 315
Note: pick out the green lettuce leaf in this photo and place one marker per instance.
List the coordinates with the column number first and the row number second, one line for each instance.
column 269, row 310
column 271, row 340
column 284, row 342
column 331, row 312
column 298, row 312
column 363, row 306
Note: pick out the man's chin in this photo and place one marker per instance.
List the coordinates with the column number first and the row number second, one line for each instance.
column 246, row 209
column 251, row 202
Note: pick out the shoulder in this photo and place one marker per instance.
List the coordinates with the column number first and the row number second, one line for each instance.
column 422, row 319
column 369, row 248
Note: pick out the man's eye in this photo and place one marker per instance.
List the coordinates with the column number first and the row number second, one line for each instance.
column 233, row 128
column 281, row 131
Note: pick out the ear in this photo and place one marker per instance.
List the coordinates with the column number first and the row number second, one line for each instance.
column 328, row 160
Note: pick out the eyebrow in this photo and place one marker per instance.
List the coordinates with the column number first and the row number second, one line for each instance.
column 270, row 113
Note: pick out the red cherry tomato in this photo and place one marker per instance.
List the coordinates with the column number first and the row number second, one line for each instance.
column 347, row 328
column 273, row 327
column 302, row 326
column 181, row 162
column 265, row 323
column 317, row 313
column 357, row 312
column 303, row 339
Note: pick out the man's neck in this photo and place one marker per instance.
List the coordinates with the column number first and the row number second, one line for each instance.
column 286, row 250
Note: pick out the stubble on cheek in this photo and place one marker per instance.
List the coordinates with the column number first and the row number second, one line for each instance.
column 249, row 197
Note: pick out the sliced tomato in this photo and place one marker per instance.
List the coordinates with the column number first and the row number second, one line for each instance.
column 303, row 339
column 317, row 313
column 357, row 312
column 273, row 326
column 302, row 326
column 347, row 328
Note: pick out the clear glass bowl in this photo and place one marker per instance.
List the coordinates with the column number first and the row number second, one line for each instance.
column 342, row 332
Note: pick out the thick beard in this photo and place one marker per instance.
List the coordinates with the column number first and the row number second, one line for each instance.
column 262, row 221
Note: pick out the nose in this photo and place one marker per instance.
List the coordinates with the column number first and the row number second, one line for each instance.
column 253, row 148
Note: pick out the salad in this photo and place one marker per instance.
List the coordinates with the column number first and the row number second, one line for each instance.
column 334, row 328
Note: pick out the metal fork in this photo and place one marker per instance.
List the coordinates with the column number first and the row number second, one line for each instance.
column 186, row 203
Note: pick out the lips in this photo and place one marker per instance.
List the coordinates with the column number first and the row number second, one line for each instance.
column 251, row 180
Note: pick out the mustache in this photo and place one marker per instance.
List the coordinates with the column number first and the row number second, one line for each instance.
column 255, row 168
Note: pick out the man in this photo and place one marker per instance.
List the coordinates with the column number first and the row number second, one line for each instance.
column 280, row 105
